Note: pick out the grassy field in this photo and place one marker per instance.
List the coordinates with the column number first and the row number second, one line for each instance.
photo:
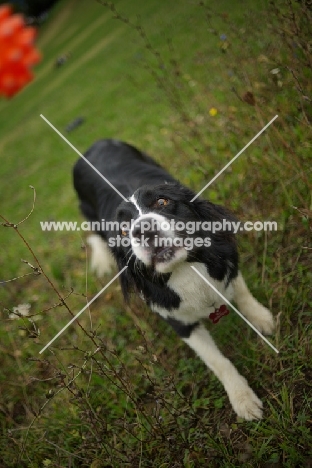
column 191, row 85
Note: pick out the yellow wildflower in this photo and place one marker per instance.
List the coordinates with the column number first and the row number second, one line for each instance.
column 213, row 111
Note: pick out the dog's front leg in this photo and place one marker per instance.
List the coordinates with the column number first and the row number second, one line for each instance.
column 255, row 312
column 245, row 402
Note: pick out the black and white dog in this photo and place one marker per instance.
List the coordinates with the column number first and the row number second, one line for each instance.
column 149, row 233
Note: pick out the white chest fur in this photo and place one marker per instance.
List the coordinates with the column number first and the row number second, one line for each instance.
column 198, row 300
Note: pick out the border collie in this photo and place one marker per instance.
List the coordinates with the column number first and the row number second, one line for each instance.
column 148, row 232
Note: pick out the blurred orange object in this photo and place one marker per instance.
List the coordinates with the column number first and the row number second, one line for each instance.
column 17, row 52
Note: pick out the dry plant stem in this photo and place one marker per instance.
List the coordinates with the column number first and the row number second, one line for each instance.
column 62, row 300
column 288, row 165
column 264, row 255
column 148, row 346
column 63, row 450
column 124, row 387
column 42, row 408
column 68, row 386
column 22, row 276
column 294, row 157
column 164, row 83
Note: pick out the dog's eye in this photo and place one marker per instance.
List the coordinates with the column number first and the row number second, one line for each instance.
column 162, row 202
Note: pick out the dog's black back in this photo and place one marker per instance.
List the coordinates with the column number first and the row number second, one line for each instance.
column 124, row 166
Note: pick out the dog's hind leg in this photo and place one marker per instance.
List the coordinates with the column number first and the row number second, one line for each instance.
column 101, row 260
column 255, row 312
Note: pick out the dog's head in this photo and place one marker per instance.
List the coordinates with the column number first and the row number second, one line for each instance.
column 160, row 227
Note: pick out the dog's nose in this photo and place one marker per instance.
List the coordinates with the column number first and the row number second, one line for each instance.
column 145, row 226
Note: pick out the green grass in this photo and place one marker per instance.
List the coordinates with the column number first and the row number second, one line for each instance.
column 124, row 390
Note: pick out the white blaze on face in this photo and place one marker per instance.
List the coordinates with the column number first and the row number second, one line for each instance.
column 146, row 252
column 133, row 200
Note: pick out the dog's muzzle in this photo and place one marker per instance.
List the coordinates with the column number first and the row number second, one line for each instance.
column 152, row 241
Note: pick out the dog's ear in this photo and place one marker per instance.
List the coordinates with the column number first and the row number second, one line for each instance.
column 208, row 211
column 204, row 209
column 223, row 241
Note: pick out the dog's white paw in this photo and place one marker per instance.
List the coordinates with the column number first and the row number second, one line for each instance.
column 246, row 404
column 263, row 320
column 255, row 312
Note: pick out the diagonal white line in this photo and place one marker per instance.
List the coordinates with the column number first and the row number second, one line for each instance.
column 234, row 308
column 83, row 157
column 82, row 310
column 235, row 157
